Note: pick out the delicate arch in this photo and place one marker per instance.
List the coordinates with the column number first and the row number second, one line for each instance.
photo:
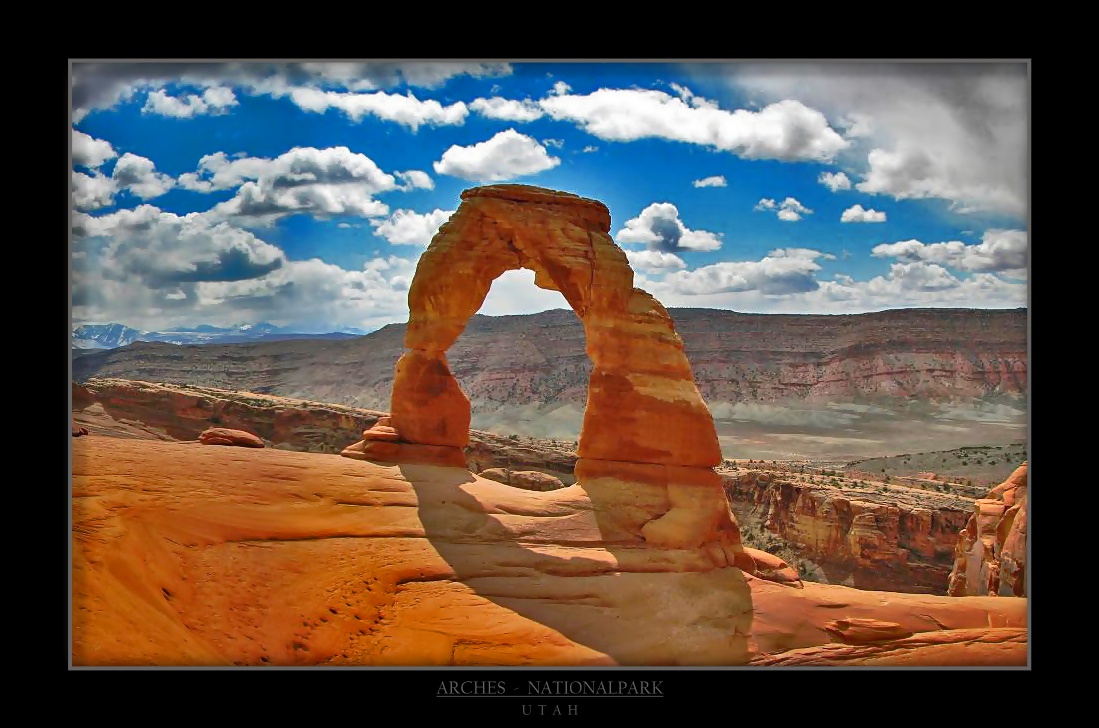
column 643, row 404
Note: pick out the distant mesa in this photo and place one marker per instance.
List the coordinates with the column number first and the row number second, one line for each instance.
column 645, row 421
column 225, row 436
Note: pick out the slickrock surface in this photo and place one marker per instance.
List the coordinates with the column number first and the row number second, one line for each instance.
column 990, row 555
column 640, row 375
column 193, row 555
column 981, row 647
column 185, row 554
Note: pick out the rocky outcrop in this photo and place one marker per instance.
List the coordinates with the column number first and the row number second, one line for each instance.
column 225, row 436
column 527, row 479
column 869, row 536
column 640, row 375
column 990, row 555
column 79, row 431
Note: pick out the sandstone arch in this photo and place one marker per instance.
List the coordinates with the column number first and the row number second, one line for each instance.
column 645, row 421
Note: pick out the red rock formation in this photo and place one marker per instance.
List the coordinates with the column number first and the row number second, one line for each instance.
column 898, row 540
column 990, row 555
column 644, row 409
column 225, row 436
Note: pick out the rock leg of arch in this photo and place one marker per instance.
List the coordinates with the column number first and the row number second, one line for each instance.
column 645, row 424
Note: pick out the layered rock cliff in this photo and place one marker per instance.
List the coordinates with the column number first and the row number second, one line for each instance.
column 863, row 534
column 920, row 354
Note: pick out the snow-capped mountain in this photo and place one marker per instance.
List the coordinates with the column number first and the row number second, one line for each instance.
column 103, row 336
column 112, row 336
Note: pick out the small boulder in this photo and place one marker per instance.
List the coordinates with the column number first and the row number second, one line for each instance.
column 79, row 431
column 535, row 480
column 766, row 565
column 526, row 479
column 225, row 436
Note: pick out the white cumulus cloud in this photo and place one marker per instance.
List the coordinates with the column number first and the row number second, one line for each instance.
column 91, row 192
column 90, row 152
column 507, row 109
column 782, row 272
column 715, row 181
column 786, row 130
column 415, row 179
column 856, row 213
column 659, row 227
column 406, row 110
column 214, row 100
column 835, row 181
column 506, row 155
column 654, row 261
column 789, row 210
column 406, row 227
column 138, row 175
column 1000, row 251
column 302, row 181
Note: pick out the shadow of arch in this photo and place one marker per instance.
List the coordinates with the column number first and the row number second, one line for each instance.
column 572, row 560
column 647, row 519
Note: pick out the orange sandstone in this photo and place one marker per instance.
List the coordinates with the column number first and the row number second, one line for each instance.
column 990, row 555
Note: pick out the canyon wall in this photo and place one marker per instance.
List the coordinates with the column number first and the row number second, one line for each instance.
column 869, row 537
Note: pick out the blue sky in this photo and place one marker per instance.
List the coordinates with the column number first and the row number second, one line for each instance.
column 303, row 193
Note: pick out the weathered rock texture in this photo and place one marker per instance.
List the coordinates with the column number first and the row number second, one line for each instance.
column 191, row 555
column 990, row 554
column 872, row 537
column 645, row 420
column 225, row 436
